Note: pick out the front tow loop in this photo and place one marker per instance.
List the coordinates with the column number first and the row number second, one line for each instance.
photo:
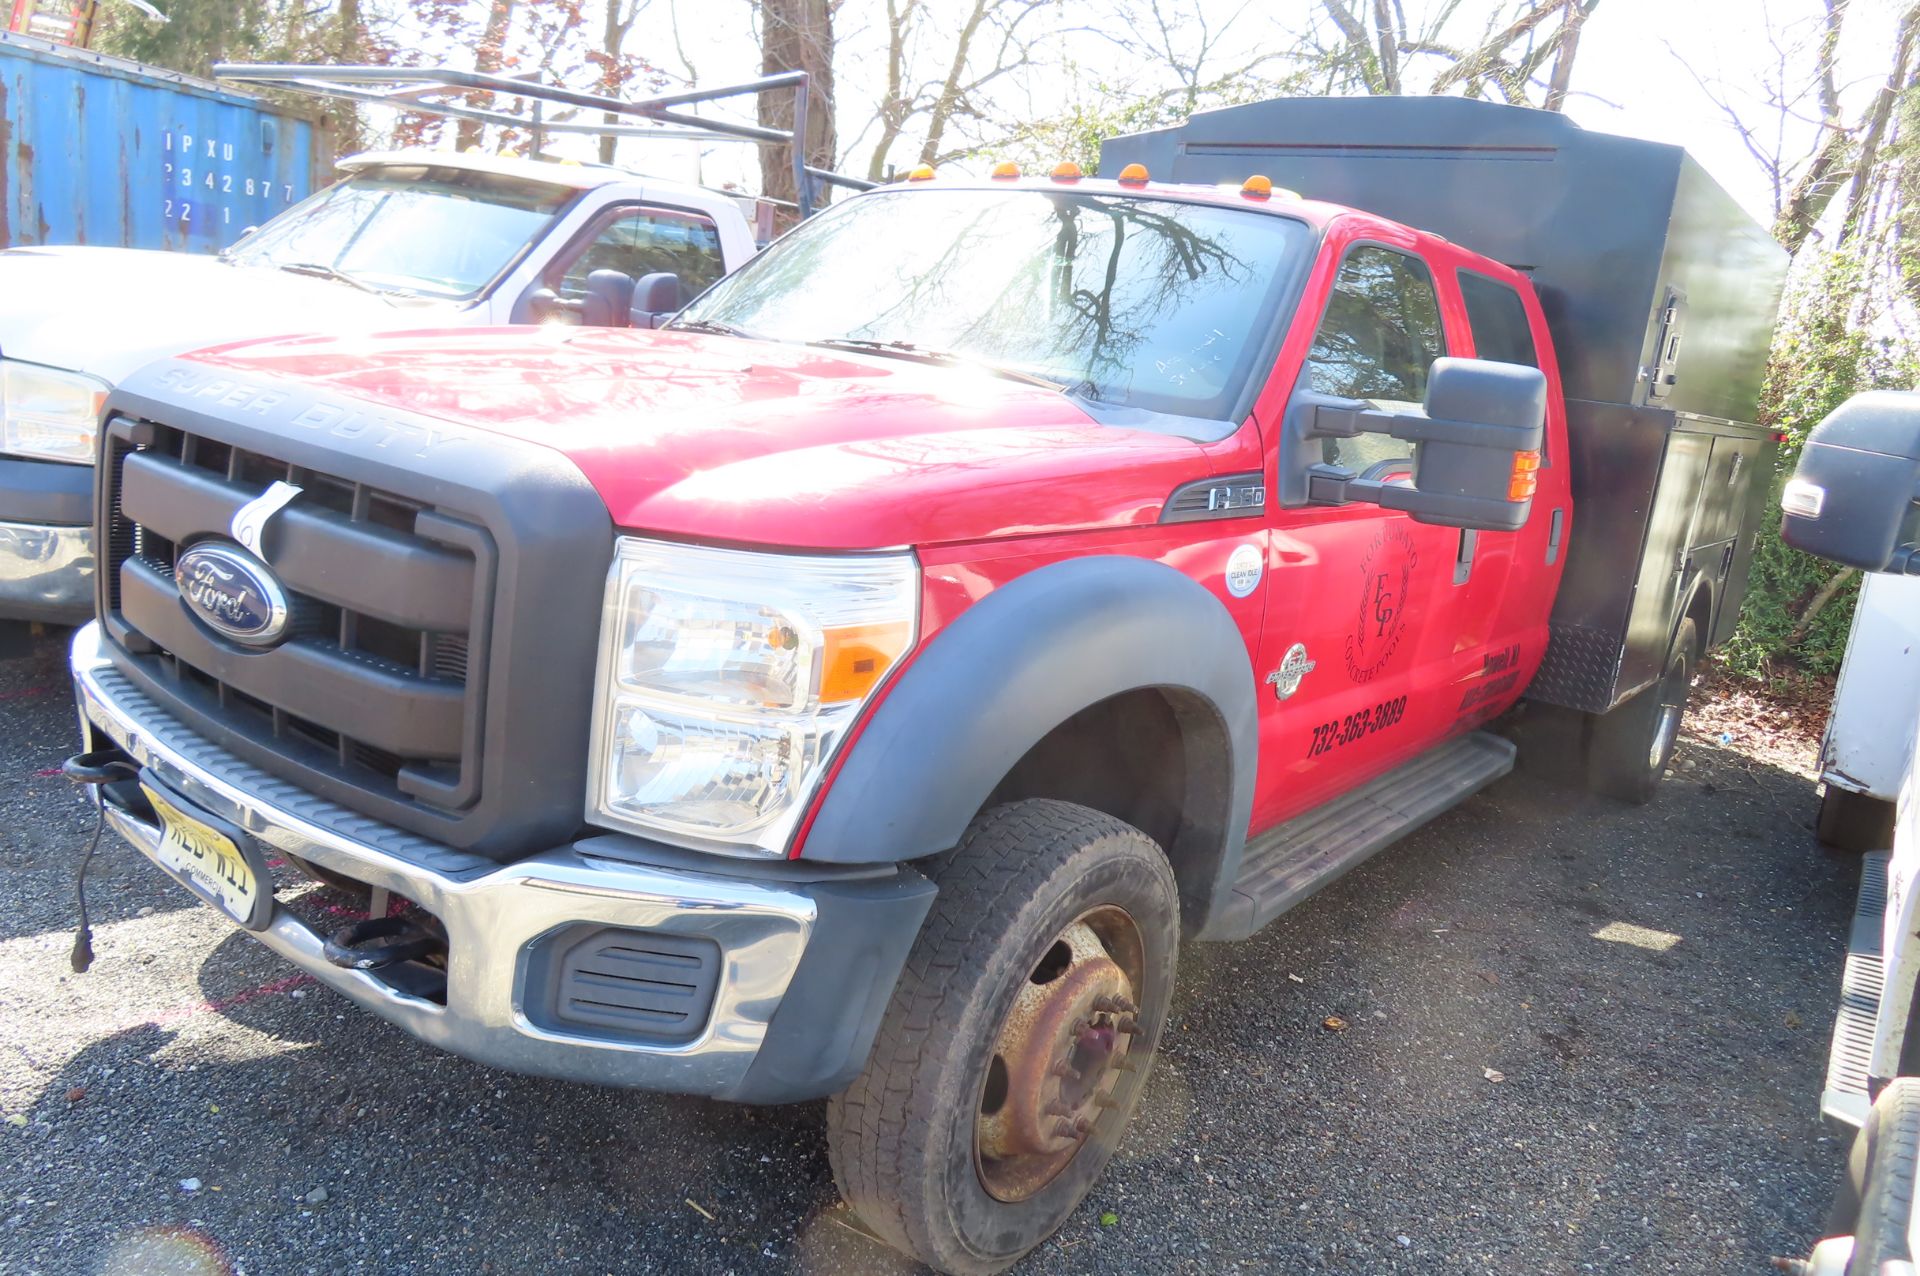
column 376, row 942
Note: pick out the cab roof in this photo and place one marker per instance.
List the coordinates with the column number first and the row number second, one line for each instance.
column 567, row 173
column 1280, row 201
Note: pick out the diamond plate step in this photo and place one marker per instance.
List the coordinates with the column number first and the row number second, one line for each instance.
column 1846, row 1099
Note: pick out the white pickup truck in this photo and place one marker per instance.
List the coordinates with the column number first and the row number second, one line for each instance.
column 406, row 239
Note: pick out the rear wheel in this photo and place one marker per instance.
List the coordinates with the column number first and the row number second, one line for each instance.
column 1018, row 1040
column 1628, row 749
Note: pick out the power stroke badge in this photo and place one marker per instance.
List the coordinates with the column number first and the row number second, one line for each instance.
column 1380, row 621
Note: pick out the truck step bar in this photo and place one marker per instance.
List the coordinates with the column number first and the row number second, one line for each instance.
column 1291, row 862
column 1846, row 1100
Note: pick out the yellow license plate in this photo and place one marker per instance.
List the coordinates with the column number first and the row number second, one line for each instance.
column 210, row 861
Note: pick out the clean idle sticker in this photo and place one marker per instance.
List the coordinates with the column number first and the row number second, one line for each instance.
column 1243, row 570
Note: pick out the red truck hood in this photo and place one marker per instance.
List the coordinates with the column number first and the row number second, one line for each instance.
column 761, row 442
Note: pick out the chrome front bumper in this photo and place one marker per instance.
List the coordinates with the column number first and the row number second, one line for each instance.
column 494, row 915
column 46, row 573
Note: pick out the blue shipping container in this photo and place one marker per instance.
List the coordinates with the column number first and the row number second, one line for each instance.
column 99, row 150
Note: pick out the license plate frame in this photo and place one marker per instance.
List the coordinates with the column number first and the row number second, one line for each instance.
column 210, row 856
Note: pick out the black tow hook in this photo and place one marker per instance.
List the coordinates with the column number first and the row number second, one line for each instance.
column 100, row 768
column 375, row 942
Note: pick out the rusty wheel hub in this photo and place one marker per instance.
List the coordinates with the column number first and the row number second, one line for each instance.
column 1061, row 1056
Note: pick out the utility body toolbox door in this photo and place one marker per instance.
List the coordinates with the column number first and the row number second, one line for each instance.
column 1666, row 501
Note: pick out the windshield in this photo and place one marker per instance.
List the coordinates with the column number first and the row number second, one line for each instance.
column 418, row 229
column 1141, row 302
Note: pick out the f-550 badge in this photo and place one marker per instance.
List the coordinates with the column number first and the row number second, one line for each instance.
column 1294, row 667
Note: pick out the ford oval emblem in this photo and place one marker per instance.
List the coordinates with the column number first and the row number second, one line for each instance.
column 233, row 592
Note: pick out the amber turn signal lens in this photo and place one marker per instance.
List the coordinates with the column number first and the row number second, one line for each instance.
column 856, row 657
column 1525, row 479
column 1066, row 171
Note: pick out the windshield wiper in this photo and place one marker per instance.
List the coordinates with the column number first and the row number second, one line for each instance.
column 319, row 271
column 909, row 350
column 713, row 326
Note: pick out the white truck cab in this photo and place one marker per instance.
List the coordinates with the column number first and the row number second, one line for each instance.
column 406, row 239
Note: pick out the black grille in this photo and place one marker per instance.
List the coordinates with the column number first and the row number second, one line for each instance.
column 387, row 601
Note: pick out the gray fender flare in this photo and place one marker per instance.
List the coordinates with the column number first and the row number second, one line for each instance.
column 1010, row 669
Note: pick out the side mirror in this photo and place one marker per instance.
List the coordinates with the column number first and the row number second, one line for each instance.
column 657, row 298
column 609, row 299
column 1476, row 448
column 1851, row 498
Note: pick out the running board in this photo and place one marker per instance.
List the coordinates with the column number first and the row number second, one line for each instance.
column 1286, row 864
column 1846, row 1098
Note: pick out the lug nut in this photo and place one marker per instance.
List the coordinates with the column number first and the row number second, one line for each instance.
column 1063, row 1070
column 1126, row 1005
column 1080, row 1126
column 1057, row 1108
column 1105, row 1005
column 1128, row 1025
column 1105, row 1101
column 1063, row 1130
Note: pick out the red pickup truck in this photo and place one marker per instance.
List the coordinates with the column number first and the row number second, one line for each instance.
column 861, row 687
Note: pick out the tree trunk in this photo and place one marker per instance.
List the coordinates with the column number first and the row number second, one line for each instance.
column 487, row 58
column 949, row 98
column 796, row 35
column 1562, row 77
column 894, row 107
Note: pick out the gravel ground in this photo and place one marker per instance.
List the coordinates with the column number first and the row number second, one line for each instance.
column 1512, row 1094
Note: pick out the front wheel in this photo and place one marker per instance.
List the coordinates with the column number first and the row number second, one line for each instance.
column 1018, row 1039
column 1628, row 749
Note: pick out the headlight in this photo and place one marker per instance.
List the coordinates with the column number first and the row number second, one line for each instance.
column 47, row 413
column 727, row 679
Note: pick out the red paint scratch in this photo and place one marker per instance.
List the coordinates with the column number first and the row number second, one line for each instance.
column 25, row 693
column 46, row 771
column 220, row 1005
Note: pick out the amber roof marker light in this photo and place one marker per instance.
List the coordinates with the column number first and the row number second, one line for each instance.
column 1066, row 171
column 1005, row 171
column 920, row 173
column 1133, row 175
column 1257, row 187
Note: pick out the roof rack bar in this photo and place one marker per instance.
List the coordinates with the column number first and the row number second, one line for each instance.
column 412, row 84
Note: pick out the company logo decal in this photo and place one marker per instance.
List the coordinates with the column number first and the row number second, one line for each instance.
column 1294, row 667
column 1386, row 574
column 1243, row 570
column 235, row 594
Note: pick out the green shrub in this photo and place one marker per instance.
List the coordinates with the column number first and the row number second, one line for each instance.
column 1830, row 346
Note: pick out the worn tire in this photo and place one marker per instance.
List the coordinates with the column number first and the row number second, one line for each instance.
column 1889, row 1145
column 1852, row 821
column 903, row 1137
column 1628, row 749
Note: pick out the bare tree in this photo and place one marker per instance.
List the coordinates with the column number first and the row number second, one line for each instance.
column 1186, row 41
column 1375, row 48
column 991, row 39
column 796, row 35
column 488, row 56
column 615, row 70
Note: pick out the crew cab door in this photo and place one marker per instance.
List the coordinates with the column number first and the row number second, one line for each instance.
column 1357, row 596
